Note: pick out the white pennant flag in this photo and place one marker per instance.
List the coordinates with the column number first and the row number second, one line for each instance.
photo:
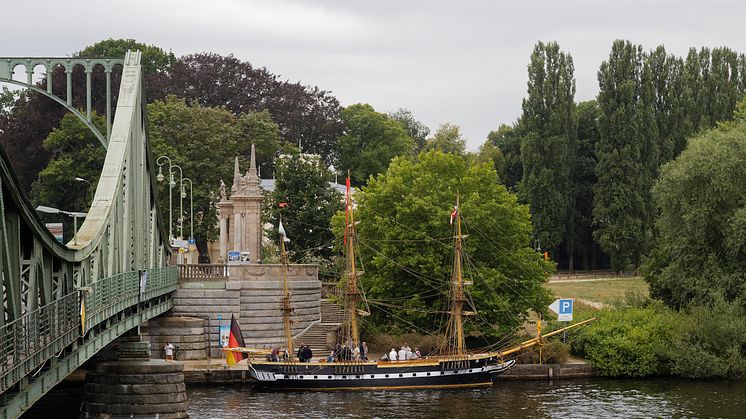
column 281, row 230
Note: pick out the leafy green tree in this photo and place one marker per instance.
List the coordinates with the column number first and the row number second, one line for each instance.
column 259, row 129
column 406, row 245
column 154, row 59
column 415, row 129
column 508, row 139
column 700, row 252
column 370, row 141
column 75, row 152
column 447, row 139
column 302, row 182
column 621, row 200
column 488, row 152
column 584, row 178
column 204, row 143
column 548, row 148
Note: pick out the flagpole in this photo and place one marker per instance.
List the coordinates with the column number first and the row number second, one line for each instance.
column 285, row 306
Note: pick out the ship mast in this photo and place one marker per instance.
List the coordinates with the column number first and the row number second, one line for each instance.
column 457, row 282
column 285, row 306
column 352, row 295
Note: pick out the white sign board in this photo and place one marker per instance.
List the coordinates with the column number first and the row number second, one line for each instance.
column 563, row 308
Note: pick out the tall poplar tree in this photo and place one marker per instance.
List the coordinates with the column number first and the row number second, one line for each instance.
column 548, row 146
column 621, row 212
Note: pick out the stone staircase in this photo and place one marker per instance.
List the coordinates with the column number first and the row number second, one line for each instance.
column 332, row 317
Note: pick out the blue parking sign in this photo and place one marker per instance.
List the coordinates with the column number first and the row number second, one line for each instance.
column 563, row 308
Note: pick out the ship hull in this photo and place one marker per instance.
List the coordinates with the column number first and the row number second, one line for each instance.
column 378, row 375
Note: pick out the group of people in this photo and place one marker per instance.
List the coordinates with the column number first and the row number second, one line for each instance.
column 405, row 354
column 349, row 352
column 304, row 353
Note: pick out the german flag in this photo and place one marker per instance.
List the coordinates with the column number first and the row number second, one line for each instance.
column 235, row 340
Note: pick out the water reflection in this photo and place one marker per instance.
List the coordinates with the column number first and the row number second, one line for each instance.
column 531, row 399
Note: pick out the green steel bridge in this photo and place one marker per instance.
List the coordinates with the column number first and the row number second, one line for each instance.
column 63, row 303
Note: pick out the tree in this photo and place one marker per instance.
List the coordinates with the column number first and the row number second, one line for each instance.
column 447, row 139
column 204, row 143
column 370, row 141
column 621, row 200
column 307, row 116
column 259, row 129
column 34, row 115
column 303, row 183
column 75, row 152
column 488, row 152
column 508, row 139
column 548, row 147
column 415, row 129
column 700, row 253
column 584, row 179
column 405, row 243
column 154, row 60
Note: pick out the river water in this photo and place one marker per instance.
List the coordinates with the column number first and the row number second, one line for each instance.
column 592, row 398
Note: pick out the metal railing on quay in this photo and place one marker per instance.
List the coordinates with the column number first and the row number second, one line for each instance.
column 203, row 271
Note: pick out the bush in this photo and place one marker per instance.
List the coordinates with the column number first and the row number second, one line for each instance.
column 710, row 342
column 630, row 342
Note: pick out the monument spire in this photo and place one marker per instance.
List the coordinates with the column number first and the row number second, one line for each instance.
column 252, row 166
column 236, row 177
column 252, row 179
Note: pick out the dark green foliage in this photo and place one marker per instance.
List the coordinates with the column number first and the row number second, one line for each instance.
column 548, row 147
column 406, row 245
column 625, row 152
column 710, row 343
column 701, row 249
column 154, row 59
column 303, row 182
column 702, row 341
column 508, row 140
column 584, row 178
column 416, row 129
column 204, row 142
column 370, row 141
column 627, row 343
column 307, row 116
column 75, row 152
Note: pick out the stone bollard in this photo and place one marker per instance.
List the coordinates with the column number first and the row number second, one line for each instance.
column 135, row 387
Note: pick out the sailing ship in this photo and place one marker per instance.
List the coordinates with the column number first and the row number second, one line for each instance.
column 455, row 367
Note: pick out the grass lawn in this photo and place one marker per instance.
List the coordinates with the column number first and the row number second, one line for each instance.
column 602, row 290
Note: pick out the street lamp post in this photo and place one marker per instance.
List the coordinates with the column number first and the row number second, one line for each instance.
column 171, row 185
column 191, row 205
column 88, row 189
column 181, row 200
column 75, row 215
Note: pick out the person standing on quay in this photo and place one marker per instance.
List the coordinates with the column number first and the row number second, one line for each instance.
column 169, row 351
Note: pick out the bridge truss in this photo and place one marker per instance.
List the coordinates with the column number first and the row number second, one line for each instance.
column 63, row 303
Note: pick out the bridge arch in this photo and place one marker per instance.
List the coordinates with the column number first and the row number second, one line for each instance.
column 8, row 68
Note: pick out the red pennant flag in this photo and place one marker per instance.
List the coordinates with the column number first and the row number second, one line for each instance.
column 235, row 340
column 347, row 210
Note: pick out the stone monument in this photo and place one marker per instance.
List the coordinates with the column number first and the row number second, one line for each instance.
column 240, row 215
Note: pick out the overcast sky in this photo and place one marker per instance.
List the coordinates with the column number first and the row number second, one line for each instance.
column 460, row 62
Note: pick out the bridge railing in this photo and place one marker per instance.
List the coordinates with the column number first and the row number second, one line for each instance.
column 26, row 343
column 37, row 336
